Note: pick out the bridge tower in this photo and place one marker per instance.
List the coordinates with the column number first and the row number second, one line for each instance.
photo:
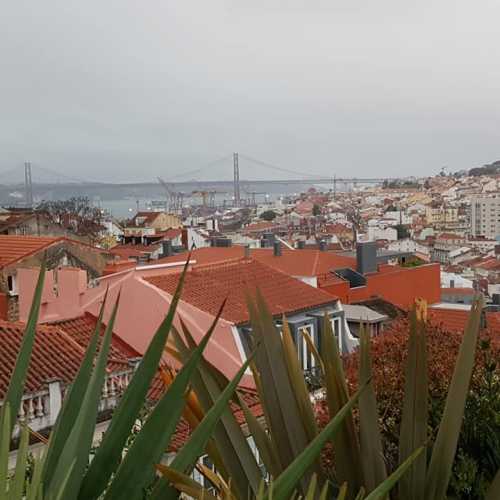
column 28, row 185
column 236, row 178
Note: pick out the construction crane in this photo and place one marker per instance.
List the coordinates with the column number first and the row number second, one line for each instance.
column 174, row 198
column 252, row 194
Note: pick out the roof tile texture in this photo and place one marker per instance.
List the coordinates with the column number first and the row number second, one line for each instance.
column 206, row 287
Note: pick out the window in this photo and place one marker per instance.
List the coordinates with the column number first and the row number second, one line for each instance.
column 12, row 284
column 306, row 358
column 337, row 329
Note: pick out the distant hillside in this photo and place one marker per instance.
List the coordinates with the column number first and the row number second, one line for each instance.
column 491, row 169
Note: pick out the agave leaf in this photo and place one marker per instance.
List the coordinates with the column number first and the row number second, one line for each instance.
column 108, row 454
column 413, row 431
column 324, row 491
column 239, row 462
column 214, row 478
column 443, row 453
column 149, row 445
column 361, row 494
column 314, row 351
column 16, row 485
column 493, row 492
column 75, row 453
column 372, row 454
column 4, row 449
column 71, row 406
column 311, row 491
column 348, row 462
column 15, row 390
column 342, row 495
column 383, row 489
column 34, row 489
column 287, row 481
column 186, row 458
column 184, row 483
column 278, row 396
column 296, row 375
column 60, row 494
column 262, row 440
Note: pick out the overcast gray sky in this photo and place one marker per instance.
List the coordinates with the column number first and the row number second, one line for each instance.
column 127, row 89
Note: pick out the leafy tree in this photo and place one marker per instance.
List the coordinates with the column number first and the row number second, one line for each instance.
column 268, row 215
column 76, row 215
column 478, row 453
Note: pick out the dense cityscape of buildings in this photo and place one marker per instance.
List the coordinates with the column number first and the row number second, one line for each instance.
column 361, row 256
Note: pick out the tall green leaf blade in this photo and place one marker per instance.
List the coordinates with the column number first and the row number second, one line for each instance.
column 278, row 396
column 382, row 490
column 348, row 464
column 34, row 489
column 4, row 449
column 413, row 433
column 71, row 405
column 238, row 459
column 149, row 445
column 75, row 453
column 297, row 381
column 186, row 458
column 262, row 440
column 106, row 459
column 443, row 453
column 15, row 390
column 372, row 454
column 284, row 485
column 16, row 487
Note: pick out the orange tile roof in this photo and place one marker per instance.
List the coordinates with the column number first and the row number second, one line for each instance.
column 81, row 330
column 130, row 250
column 13, row 248
column 207, row 286
column 55, row 355
column 57, row 352
column 292, row 262
column 451, row 320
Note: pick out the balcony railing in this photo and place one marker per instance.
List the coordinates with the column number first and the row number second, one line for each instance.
column 39, row 409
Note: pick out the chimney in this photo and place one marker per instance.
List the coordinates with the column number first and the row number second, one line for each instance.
column 323, row 246
column 247, row 251
column 366, row 257
column 301, row 244
column 277, row 248
column 167, row 250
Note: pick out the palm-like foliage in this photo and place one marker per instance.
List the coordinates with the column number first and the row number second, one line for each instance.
column 289, row 433
column 289, row 442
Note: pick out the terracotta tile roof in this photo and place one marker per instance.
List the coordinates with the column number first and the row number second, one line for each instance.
column 292, row 262
column 14, row 248
column 57, row 352
column 129, row 250
column 81, row 330
column 451, row 320
column 55, row 355
column 207, row 286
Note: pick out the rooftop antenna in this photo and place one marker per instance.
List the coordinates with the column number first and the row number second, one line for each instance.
column 28, row 185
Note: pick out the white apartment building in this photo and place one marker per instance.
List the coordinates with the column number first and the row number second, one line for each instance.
column 485, row 216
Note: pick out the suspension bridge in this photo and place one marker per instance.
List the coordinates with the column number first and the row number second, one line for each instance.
column 33, row 176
